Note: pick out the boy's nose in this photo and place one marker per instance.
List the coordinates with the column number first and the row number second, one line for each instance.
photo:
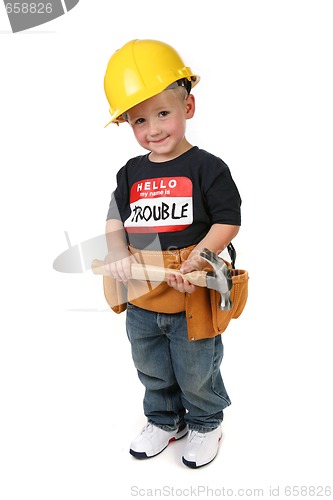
column 153, row 127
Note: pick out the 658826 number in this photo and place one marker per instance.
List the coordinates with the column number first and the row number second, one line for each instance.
column 28, row 8
column 308, row 491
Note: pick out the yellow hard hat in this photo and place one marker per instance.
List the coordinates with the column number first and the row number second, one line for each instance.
column 139, row 70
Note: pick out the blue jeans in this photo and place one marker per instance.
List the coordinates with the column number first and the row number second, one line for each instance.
column 182, row 378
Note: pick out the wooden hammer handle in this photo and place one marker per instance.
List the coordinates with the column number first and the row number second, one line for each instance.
column 154, row 273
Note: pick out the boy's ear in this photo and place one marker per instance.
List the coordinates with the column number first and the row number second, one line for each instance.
column 190, row 106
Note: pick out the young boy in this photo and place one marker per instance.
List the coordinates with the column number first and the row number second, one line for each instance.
column 170, row 204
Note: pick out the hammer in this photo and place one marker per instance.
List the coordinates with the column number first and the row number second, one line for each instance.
column 219, row 279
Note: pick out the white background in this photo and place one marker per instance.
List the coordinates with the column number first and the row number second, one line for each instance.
column 69, row 395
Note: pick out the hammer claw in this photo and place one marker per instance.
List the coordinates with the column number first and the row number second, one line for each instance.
column 209, row 256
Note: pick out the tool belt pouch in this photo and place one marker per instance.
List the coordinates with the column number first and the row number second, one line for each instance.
column 238, row 296
column 115, row 294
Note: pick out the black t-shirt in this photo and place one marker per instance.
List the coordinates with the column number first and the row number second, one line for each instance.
column 173, row 204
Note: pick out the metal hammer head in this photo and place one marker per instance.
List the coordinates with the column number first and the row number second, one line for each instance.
column 220, row 279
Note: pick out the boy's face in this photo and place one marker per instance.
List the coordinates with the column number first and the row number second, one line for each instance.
column 159, row 124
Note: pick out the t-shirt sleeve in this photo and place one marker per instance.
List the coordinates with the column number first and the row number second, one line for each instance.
column 119, row 198
column 223, row 199
column 113, row 211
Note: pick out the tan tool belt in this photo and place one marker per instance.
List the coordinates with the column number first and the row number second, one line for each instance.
column 203, row 315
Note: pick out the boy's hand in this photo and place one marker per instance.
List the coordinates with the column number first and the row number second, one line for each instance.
column 180, row 284
column 193, row 263
column 119, row 269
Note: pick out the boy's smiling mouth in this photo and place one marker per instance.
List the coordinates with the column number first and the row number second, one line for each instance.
column 159, row 141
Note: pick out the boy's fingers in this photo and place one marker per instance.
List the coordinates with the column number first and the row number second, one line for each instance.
column 180, row 284
column 121, row 269
column 188, row 287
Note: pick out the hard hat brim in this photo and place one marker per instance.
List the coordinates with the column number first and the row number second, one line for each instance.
column 117, row 117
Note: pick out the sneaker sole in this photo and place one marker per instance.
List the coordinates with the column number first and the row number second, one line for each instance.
column 193, row 465
column 142, row 455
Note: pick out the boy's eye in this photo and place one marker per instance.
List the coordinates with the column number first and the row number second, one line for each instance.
column 139, row 120
column 164, row 113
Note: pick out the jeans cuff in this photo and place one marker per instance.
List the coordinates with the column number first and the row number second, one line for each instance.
column 200, row 428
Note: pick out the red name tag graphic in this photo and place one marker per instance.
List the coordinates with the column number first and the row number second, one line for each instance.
column 162, row 204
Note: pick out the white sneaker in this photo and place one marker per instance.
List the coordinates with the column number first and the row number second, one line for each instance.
column 201, row 447
column 153, row 440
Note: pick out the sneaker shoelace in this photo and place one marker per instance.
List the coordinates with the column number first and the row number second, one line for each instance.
column 148, row 428
column 196, row 436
